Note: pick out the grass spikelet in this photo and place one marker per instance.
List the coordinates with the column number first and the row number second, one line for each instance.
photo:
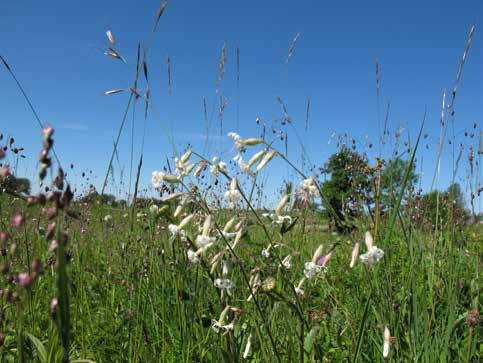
column 307, row 114
column 292, row 48
column 168, row 66
column 113, row 92
column 111, row 52
column 462, row 63
column 222, row 62
column 110, row 37
column 159, row 15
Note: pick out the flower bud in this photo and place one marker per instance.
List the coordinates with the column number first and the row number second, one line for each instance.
column 185, row 221
column 251, row 142
column 186, row 156
column 207, row 225
column 170, row 178
column 234, row 184
column 256, row 158
column 281, row 205
column 172, row 196
column 318, row 253
column 265, row 160
column 18, row 220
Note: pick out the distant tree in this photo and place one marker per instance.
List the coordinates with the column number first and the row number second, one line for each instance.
column 449, row 209
column 392, row 180
column 13, row 184
column 94, row 197
column 348, row 188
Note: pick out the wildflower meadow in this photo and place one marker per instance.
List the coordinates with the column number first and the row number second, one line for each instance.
column 205, row 258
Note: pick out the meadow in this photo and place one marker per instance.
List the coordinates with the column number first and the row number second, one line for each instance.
column 202, row 270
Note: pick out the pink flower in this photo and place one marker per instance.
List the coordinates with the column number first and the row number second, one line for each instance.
column 18, row 220
column 53, row 305
column 5, row 171
column 24, row 279
column 325, row 259
column 47, row 131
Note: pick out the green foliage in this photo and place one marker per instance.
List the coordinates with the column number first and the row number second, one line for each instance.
column 392, row 179
column 348, row 187
column 94, row 197
column 134, row 296
column 12, row 184
column 444, row 207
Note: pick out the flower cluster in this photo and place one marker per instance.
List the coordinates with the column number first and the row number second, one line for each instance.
column 373, row 254
column 233, row 196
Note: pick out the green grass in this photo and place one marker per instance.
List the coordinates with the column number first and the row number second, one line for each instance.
column 134, row 296
column 125, row 291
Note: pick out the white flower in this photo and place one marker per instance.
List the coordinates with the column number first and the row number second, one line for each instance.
column 236, row 138
column 278, row 219
column 232, row 197
column 217, row 326
column 373, row 254
column 310, row 187
column 371, row 257
column 387, row 342
column 217, row 166
column 312, row 269
column 224, row 285
column 193, row 257
column 177, row 231
column 286, row 262
column 173, row 229
column 157, row 179
column 108, row 218
column 204, row 241
column 266, row 252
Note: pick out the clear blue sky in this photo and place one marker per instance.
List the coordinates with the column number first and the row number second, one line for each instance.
column 53, row 47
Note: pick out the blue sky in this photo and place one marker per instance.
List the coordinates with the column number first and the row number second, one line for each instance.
column 54, row 49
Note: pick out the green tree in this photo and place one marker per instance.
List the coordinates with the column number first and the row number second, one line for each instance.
column 392, row 180
column 450, row 209
column 348, row 189
column 12, row 184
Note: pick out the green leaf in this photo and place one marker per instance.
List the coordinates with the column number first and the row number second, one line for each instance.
column 310, row 338
column 39, row 347
column 286, row 228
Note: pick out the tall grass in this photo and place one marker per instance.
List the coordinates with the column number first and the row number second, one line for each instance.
column 201, row 273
